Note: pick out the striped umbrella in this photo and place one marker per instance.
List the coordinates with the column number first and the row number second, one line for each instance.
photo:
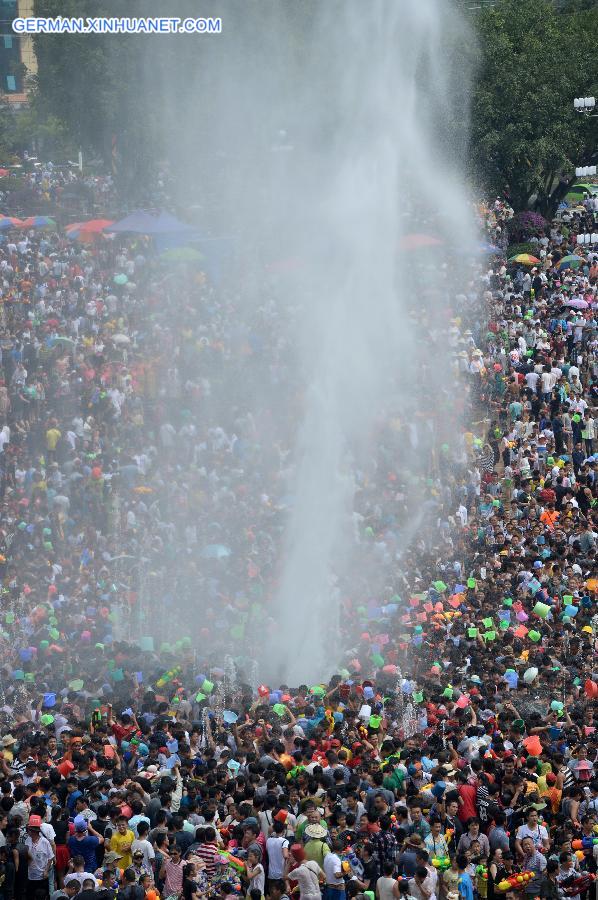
column 570, row 262
column 7, row 222
column 86, row 231
column 525, row 259
column 38, row 222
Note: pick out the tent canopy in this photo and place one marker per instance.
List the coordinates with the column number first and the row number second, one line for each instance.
column 143, row 222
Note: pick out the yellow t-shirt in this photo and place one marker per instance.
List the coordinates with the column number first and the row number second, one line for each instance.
column 52, row 436
column 117, row 842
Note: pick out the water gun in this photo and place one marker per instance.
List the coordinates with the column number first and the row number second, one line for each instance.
column 441, row 862
column 351, row 863
column 585, row 843
column 168, row 676
column 234, row 861
column 573, row 886
column 481, row 871
column 514, row 881
column 294, row 772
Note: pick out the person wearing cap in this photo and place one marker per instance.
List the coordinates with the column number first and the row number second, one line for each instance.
column 85, row 842
column 40, row 857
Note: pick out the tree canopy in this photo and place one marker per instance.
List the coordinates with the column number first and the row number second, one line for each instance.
column 535, row 59
column 162, row 96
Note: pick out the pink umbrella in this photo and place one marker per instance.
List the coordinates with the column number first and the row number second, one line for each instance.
column 577, row 303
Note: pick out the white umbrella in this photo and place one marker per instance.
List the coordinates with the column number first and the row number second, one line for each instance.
column 121, row 339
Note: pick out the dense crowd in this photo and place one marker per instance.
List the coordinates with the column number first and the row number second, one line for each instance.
column 144, row 478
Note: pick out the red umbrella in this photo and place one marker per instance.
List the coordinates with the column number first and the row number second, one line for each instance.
column 86, row 231
column 415, row 241
column 95, row 226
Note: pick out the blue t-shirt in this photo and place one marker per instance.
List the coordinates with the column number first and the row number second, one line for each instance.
column 86, row 847
column 465, row 887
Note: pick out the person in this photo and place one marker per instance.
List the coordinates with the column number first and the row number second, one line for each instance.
column 68, row 892
column 277, row 890
column 420, row 886
column 387, row 887
column 306, row 873
column 171, row 872
column 40, row 858
column 130, row 889
column 549, row 888
column 464, row 882
column 316, row 847
column 255, row 871
column 85, row 842
column 121, row 841
column 8, row 869
column 277, row 848
column 191, row 890
column 142, row 845
column 333, row 871
column 532, row 861
column 532, row 829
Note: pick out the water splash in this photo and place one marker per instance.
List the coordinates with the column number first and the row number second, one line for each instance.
column 377, row 118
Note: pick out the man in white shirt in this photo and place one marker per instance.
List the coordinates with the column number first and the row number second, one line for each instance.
column 333, row 870
column 532, row 829
column 40, row 857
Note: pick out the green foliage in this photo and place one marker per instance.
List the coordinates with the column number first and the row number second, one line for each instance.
column 526, row 136
column 166, row 96
column 524, row 247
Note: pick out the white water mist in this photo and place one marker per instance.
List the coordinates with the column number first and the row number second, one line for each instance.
column 375, row 112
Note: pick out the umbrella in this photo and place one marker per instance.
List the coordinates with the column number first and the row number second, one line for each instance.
column 215, row 551
column 120, row 279
column 416, row 241
column 62, row 340
column 86, row 231
column 121, row 339
column 38, row 222
column 570, row 262
column 577, row 303
column 7, row 222
column 181, row 254
column 490, row 249
column 525, row 258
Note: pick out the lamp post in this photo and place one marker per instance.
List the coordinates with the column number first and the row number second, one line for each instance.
column 585, row 106
column 587, row 239
column 584, row 171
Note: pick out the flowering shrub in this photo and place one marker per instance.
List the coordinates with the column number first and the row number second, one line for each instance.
column 525, row 224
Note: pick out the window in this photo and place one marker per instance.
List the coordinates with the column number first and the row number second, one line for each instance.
column 8, row 42
column 11, row 83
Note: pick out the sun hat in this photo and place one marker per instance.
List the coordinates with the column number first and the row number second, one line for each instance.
column 8, row 740
column 316, row 831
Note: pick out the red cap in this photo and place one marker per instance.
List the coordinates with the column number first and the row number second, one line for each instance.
column 35, row 822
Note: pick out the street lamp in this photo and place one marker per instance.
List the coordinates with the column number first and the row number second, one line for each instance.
column 583, row 171
column 585, row 105
column 587, row 238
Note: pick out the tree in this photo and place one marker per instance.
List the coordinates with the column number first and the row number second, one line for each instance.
column 526, row 136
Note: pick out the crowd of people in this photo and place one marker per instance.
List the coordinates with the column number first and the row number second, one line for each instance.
column 143, row 492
